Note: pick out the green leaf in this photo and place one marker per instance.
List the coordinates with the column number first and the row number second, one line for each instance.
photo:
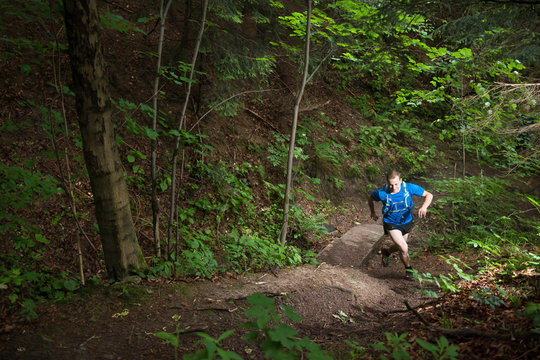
column 225, row 335
column 277, row 4
column 289, row 312
column 210, row 344
column 400, row 354
column 283, row 334
column 116, row 22
column 163, row 185
column 171, row 338
column 260, row 300
column 227, row 354
column 251, row 336
column 71, row 285
column 41, row 239
column 274, row 351
column 150, row 133
column 428, row 346
column 26, row 69
column 443, row 342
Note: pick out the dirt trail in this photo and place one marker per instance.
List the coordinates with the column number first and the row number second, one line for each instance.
column 350, row 267
column 113, row 326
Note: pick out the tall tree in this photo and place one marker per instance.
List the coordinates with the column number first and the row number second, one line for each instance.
column 90, row 84
column 181, row 128
column 299, row 95
column 163, row 10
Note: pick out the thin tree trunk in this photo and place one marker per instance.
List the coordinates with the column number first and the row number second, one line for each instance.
column 462, row 122
column 67, row 178
column 180, row 126
column 153, row 142
column 66, row 181
column 90, row 84
column 286, row 206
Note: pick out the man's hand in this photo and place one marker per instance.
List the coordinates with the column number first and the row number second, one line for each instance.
column 428, row 197
column 372, row 208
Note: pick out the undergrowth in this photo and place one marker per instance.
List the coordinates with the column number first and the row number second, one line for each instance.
column 270, row 330
column 482, row 211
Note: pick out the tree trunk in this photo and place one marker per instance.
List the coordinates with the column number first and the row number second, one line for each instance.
column 163, row 10
column 288, row 188
column 173, row 209
column 90, row 84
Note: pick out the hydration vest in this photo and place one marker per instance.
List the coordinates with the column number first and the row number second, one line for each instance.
column 387, row 208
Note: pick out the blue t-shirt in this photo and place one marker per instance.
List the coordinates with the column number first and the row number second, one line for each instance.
column 398, row 213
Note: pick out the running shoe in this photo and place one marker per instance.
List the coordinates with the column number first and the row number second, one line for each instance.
column 385, row 257
column 409, row 274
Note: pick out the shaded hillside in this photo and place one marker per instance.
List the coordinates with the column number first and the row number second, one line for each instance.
column 394, row 89
column 361, row 115
column 34, row 132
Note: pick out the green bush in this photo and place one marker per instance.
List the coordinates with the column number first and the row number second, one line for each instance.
column 251, row 251
column 479, row 208
column 222, row 229
column 23, row 280
column 196, row 257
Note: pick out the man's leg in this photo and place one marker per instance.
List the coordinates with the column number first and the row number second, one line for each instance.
column 400, row 244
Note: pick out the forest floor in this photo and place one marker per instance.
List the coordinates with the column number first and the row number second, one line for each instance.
column 336, row 304
column 117, row 321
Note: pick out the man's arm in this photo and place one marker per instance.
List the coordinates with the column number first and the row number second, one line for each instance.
column 428, row 198
column 371, row 203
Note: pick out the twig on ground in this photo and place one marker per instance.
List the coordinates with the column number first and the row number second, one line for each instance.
column 427, row 303
column 90, row 338
column 269, row 294
column 190, row 331
column 314, row 106
column 524, row 355
column 206, row 308
column 266, row 122
column 131, row 334
column 348, row 291
column 464, row 332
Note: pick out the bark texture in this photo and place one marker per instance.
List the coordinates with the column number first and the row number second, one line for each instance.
column 90, row 84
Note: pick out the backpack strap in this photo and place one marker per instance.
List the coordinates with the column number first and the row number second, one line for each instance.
column 388, row 202
column 407, row 196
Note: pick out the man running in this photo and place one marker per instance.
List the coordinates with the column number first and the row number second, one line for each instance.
column 396, row 197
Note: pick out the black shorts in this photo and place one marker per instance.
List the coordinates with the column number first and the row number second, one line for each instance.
column 405, row 228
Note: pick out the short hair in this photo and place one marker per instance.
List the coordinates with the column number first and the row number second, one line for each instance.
column 392, row 174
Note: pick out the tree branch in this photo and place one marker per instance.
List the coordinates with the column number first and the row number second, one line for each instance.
column 515, row 2
column 227, row 99
column 465, row 332
column 262, row 119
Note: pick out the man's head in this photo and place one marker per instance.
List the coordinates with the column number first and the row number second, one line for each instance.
column 393, row 178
